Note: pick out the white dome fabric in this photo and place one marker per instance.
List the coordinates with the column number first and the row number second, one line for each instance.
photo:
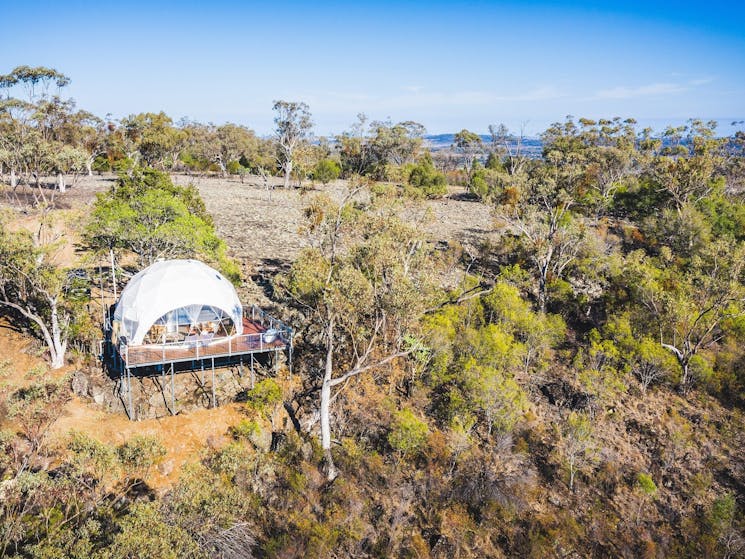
column 170, row 285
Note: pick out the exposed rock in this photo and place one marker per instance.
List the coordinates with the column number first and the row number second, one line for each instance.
column 561, row 394
column 166, row 467
column 80, row 383
column 99, row 394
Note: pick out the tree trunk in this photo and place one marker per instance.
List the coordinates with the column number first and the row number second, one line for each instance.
column 685, row 379
column 288, row 171
column 571, row 476
column 37, row 178
column 684, row 359
column 113, row 271
column 542, row 289
column 55, row 343
column 59, row 346
column 61, row 184
column 331, row 472
column 13, row 179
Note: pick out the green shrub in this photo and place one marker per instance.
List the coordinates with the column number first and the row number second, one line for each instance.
column 235, row 168
column 139, row 454
column 265, row 394
column 429, row 180
column 409, row 433
column 326, row 170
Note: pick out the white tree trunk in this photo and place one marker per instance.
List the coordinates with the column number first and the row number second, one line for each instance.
column 59, row 346
column 331, row 472
column 571, row 475
column 55, row 340
column 13, row 178
column 61, row 184
column 288, row 171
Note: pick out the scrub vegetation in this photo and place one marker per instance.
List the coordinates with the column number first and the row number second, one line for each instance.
column 570, row 385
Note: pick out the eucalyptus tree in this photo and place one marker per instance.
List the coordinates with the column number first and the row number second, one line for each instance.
column 88, row 133
column 469, row 145
column 394, row 144
column 363, row 284
column 222, row 145
column 154, row 138
column 146, row 215
column 32, row 286
column 689, row 164
column 594, row 158
column 44, row 134
column 28, row 125
column 354, row 148
column 509, row 147
column 543, row 220
column 293, row 125
column 733, row 168
column 35, row 80
column 688, row 305
column 234, row 142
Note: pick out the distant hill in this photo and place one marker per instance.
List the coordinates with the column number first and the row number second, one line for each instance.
column 533, row 146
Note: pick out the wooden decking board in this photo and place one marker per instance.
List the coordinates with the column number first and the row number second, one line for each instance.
column 250, row 342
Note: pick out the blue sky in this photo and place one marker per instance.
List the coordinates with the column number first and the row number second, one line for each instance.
column 448, row 65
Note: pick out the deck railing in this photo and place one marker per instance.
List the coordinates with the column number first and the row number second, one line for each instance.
column 276, row 336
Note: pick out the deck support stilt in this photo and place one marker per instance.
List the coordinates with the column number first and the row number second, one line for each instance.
column 214, row 397
column 163, row 386
column 129, row 393
column 173, row 391
column 253, row 376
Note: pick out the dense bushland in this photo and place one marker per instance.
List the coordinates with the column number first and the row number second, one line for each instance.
column 575, row 389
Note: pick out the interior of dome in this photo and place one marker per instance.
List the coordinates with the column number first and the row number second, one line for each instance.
column 190, row 323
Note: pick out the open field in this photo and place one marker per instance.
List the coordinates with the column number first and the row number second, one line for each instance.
column 263, row 227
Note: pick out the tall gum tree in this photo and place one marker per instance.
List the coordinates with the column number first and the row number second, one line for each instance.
column 690, row 305
column 362, row 285
column 32, row 286
column 293, row 124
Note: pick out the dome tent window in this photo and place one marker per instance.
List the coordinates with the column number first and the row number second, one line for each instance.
column 185, row 323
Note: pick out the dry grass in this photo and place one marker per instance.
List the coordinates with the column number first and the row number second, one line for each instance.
column 262, row 227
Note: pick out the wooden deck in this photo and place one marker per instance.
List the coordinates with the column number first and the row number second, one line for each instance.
column 251, row 341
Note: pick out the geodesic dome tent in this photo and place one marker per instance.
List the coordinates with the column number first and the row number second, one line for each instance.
column 171, row 299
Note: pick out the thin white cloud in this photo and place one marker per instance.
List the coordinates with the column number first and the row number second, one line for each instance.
column 701, row 81
column 539, row 94
column 650, row 90
column 419, row 97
